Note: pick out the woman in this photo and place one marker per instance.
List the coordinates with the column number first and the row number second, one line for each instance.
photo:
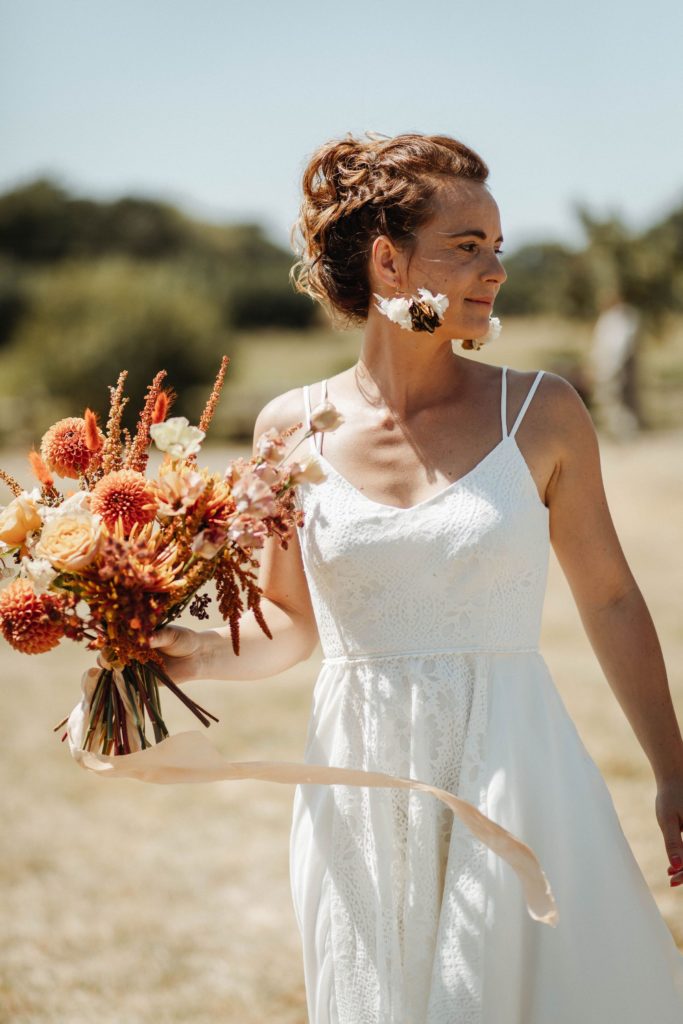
column 421, row 567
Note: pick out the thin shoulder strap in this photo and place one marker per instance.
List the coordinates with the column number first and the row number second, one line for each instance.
column 504, row 400
column 313, row 440
column 525, row 406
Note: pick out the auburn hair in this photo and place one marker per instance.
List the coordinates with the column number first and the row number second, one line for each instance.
column 357, row 188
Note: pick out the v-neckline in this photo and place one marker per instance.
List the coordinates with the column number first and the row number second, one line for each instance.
column 425, row 501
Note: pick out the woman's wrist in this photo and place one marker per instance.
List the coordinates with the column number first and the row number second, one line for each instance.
column 213, row 653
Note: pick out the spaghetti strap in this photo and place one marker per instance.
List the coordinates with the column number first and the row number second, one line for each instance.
column 313, row 440
column 307, row 407
column 525, row 406
column 504, row 401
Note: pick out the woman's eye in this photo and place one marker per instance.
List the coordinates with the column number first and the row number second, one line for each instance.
column 468, row 246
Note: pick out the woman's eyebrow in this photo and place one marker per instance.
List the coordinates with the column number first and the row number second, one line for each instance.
column 470, row 231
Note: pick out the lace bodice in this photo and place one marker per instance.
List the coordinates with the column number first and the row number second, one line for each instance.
column 463, row 570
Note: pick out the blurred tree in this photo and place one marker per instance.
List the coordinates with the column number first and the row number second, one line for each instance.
column 546, row 277
column 88, row 322
column 40, row 223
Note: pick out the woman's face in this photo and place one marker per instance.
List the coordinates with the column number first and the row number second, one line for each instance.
column 457, row 253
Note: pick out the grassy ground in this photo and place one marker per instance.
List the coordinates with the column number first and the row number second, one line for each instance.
column 131, row 904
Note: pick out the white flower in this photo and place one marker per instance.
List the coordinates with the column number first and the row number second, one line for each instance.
column 491, row 335
column 439, row 303
column 495, row 328
column 39, row 571
column 177, row 437
column 78, row 502
column 397, row 310
column 7, row 572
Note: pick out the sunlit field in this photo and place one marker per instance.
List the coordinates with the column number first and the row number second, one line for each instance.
column 127, row 903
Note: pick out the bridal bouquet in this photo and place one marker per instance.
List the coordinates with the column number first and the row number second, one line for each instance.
column 125, row 552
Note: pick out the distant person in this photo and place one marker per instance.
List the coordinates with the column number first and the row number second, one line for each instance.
column 616, row 342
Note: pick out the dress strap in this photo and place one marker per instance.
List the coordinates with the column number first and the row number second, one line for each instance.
column 313, row 440
column 525, row 406
column 504, row 400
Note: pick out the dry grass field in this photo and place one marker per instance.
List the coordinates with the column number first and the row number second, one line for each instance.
column 125, row 903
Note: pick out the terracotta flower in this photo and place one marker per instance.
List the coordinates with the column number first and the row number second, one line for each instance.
column 65, row 450
column 123, row 493
column 30, row 622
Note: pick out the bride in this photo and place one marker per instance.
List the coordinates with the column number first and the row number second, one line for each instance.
column 420, row 568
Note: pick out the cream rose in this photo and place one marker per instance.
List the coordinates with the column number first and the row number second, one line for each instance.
column 17, row 520
column 70, row 542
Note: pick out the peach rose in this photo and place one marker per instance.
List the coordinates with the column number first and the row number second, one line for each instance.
column 18, row 519
column 70, row 542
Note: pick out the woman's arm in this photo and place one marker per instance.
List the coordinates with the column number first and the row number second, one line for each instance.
column 612, row 609
column 286, row 603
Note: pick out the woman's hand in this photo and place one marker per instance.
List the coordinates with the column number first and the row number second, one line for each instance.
column 180, row 650
column 669, row 811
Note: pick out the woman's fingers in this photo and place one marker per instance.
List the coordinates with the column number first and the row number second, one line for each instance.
column 175, row 641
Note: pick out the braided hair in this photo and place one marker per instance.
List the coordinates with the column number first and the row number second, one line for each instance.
column 357, row 188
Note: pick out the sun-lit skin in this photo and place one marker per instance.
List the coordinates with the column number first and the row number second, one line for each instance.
column 457, row 252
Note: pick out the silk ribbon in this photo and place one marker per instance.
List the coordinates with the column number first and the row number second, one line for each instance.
column 189, row 757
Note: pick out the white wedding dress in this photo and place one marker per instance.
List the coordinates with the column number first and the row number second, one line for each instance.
column 429, row 620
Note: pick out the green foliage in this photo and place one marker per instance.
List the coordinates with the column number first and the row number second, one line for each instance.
column 41, row 224
column 88, row 288
column 88, row 322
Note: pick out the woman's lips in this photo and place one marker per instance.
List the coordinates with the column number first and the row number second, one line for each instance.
column 481, row 302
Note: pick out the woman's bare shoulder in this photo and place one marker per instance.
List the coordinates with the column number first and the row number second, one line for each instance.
column 282, row 412
column 556, row 410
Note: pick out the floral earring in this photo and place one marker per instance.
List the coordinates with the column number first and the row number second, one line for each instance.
column 414, row 314
column 494, row 330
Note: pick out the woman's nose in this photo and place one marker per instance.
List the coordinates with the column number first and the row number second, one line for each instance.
column 497, row 271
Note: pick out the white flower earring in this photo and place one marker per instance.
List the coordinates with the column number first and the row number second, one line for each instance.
column 423, row 313
column 494, row 330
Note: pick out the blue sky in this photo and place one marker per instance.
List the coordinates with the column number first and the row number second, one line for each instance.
column 217, row 105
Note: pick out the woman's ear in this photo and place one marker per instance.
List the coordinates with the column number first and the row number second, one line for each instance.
column 385, row 264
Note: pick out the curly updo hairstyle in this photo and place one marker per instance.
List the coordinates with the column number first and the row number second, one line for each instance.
column 357, row 188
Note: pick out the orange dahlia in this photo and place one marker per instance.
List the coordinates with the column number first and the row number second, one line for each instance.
column 124, row 493
column 64, row 448
column 30, row 622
